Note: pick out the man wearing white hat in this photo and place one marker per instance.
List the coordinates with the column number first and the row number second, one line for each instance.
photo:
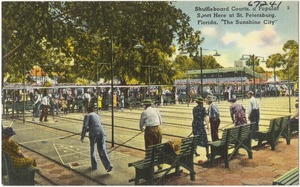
column 87, row 99
column 214, row 118
column 45, row 103
column 149, row 122
column 253, row 113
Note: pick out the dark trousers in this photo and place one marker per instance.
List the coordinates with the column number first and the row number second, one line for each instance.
column 44, row 113
column 254, row 118
column 214, row 128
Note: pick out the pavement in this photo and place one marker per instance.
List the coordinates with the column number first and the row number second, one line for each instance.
column 63, row 160
column 263, row 169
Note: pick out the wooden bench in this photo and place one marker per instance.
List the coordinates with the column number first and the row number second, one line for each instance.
column 277, row 127
column 134, row 102
column 289, row 128
column 289, row 178
column 20, row 176
column 286, row 129
column 163, row 154
column 20, row 105
column 294, row 127
column 144, row 169
column 184, row 159
column 232, row 138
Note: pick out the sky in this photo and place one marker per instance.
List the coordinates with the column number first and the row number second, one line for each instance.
column 222, row 27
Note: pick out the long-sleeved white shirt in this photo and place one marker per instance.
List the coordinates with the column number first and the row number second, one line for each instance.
column 150, row 117
column 253, row 104
column 45, row 101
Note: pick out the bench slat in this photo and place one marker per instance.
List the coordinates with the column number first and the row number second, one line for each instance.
column 289, row 178
column 161, row 153
column 277, row 127
column 235, row 137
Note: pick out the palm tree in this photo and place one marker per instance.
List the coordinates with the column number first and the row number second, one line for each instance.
column 273, row 62
column 253, row 61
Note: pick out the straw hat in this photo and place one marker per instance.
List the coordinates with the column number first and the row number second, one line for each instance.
column 209, row 98
column 199, row 99
column 250, row 93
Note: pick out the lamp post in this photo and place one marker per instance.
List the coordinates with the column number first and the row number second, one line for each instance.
column 218, row 80
column 201, row 65
column 112, row 91
column 242, row 85
column 289, row 92
column 97, row 79
column 111, row 84
column 253, row 65
column 97, row 84
column 187, row 89
column 139, row 46
column 149, row 77
column 36, row 72
column 275, row 80
column 24, row 94
column 259, row 85
column 288, row 68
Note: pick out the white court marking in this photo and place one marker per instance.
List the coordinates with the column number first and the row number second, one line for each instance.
column 61, row 149
column 73, row 149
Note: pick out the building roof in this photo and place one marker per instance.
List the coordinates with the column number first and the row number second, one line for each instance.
column 230, row 71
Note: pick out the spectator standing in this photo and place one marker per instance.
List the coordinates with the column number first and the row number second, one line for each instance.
column 214, row 118
column 70, row 102
column 149, row 122
column 56, row 105
column 11, row 148
column 122, row 101
column 64, row 105
column 37, row 104
column 253, row 113
column 237, row 112
column 100, row 99
column 198, row 125
column 87, row 100
column 97, row 136
column 226, row 94
column 44, row 106
column 115, row 101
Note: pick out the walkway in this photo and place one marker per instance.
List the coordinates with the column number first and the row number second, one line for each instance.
column 265, row 166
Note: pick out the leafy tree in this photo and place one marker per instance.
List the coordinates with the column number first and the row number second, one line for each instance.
column 182, row 63
column 291, row 56
column 259, row 69
column 79, row 38
column 25, row 27
column 289, row 59
column 209, row 62
column 192, row 47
